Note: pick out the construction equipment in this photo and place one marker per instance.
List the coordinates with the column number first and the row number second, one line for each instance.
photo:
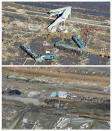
column 62, row 14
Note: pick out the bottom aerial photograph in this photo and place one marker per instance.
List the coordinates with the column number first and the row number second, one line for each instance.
column 55, row 98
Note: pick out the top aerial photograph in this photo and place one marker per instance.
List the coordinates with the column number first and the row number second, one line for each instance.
column 55, row 33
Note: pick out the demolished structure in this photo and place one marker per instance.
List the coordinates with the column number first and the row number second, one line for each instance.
column 35, row 56
column 80, row 46
column 62, row 14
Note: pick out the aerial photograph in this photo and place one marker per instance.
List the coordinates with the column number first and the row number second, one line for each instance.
column 56, row 33
column 55, row 98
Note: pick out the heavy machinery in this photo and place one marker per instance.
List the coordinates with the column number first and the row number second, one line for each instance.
column 62, row 14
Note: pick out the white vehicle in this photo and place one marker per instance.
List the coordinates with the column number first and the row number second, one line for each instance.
column 62, row 14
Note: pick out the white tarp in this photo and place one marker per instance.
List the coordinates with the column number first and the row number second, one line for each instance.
column 62, row 94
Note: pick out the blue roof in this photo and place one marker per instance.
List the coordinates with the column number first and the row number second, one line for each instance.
column 53, row 94
column 79, row 42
